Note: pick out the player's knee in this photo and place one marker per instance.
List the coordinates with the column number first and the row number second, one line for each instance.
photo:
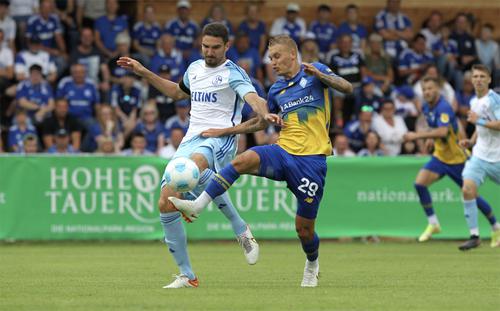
column 468, row 192
column 164, row 205
column 305, row 233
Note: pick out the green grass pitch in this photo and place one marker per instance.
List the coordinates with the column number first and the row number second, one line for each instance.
column 354, row 276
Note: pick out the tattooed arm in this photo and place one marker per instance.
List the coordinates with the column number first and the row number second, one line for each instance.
column 335, row 82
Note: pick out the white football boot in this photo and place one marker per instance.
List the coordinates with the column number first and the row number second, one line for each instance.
column 186, row 207
column 311, row 274
column 182, row 281
column 249, row 245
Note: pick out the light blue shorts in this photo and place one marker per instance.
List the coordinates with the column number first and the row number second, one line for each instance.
column 219, row 151
column 477, row 169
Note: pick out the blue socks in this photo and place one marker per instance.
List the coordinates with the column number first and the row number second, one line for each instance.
column 223, row 202
column 222, row 181
column 425, row 200
column 485, row 208
column 311, row 248
column 175, row 237
column 470, row 211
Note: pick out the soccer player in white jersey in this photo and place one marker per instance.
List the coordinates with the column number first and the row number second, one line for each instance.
column 485, row 160
column 217, row 88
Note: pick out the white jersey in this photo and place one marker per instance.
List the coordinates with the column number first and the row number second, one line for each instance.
column 216, row 95
column 487, row 147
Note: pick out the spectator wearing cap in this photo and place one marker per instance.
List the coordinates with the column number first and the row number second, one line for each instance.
column 61, row 143
column 323, row 29
column 379, row 64
column 367, row 96
column 309, row 50
column 353, row 27
column 390, row 127
column 254, row 27
column 60, row 119
column 21, row 11
column 467, row 54
column 47, row 27
column 183, row 28
column 241, row 50
column 35, row 95
column 181, row 117
column 488, row 52
column 6, row 65
column 87, row 55
column 168, row 55
column 447, row 90
column 81, row 94
column 7, row 25
column 108, row 27
column 432, row 29
column 356, row 130
column 445, row 52
column 138, row 145
column 372, row 146
column 152, row 129
column 106, row 131
column 175, row 139
column 126, row 100
column 394, row 27
column 413, row 61
column 217, row 14
column 123, row 44
column 21, row 128
column 34, row 55
column 146, row 34
column 163, row 103
column 290, row 24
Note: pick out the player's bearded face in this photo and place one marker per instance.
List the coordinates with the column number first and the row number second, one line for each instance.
column 214, row 50
column 431, row 91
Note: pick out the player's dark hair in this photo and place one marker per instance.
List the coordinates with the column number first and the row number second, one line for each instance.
column 418, row 36
column 137, row 134
column 433, row 79
column 216, row 30
column 351, row 6
column 324, row 7
column 482, row 68
column 489, row 26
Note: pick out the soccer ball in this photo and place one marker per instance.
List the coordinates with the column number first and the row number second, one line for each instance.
column 182, row 175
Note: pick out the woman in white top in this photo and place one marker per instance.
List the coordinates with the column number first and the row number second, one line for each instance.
column 390, row 128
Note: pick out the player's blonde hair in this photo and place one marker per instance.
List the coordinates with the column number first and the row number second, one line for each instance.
column 284, row 40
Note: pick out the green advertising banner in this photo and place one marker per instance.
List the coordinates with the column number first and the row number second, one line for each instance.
column 86, row 197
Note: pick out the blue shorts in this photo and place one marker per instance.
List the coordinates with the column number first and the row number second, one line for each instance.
column 218, row 151
column 304, row 175
column 477, row 169
column 454, row 171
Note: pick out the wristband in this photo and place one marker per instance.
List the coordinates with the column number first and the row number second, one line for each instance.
column 481, row 122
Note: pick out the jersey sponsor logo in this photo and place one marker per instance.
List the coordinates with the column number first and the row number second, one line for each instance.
column 445, row 118
column 303, row 100
column 204, row 96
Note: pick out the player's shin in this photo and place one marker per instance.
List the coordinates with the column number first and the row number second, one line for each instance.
column 470, row 211
column 487, row 211
column 175, row 238
column 311, row 247
column 426, row 202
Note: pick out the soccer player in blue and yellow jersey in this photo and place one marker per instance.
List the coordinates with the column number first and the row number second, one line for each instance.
column 303, row 97
column 448, row 157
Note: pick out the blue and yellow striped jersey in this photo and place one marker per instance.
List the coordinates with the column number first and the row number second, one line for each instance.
column 305, row 104
column 446, row 149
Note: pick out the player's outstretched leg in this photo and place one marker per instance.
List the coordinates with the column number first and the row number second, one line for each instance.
column 175, row 238
column 240, row 228
column 487, row 211
column 469, row 191
column 433, row 222
column 310, row 244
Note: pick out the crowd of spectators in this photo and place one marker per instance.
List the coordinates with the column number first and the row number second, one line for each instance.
column 62, row 92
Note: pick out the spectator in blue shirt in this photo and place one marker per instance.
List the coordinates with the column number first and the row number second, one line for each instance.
column 181, row 117
column 353, row 27
column 290, row 24
column 47, row 27
column 145, row 35
column 168, row 55
column 108, row 27
column 107, row 128
column 412, row 62
column 218, row 14
column 183, row 28
column 17, row 132
column 35, row 95
column 445, row 52
column 61, row 145
column 467, row 55
column 323, row 29
column 366, row 97
column 34, row 56
column 255, row 28
column 356, row 130
column 163, row 103
column 81, row 93
column 394, row 27
column 152, row 129
column 126, row 99
column 123, row 44
column 241, row 50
